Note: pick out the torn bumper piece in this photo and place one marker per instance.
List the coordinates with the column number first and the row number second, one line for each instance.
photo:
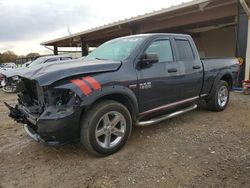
column 37, row 137
column 55, row 126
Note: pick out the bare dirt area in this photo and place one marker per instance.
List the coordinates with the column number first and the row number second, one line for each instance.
column 197, row 149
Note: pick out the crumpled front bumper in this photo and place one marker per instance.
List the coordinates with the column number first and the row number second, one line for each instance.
column 53, row 127
column 35, row 136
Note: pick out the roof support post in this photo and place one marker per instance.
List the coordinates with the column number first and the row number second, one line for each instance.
column 55, row 50
column 247, row 62
column 247, row 66
column 84, row 47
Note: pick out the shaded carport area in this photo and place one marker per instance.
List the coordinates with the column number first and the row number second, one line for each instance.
column 219, row 28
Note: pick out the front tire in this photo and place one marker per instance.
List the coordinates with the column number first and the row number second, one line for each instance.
column 105, row 127
column 219, row 98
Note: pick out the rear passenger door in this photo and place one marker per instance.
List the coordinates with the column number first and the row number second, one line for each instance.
column 190, row 84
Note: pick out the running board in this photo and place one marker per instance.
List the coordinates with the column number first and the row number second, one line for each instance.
column 167, row 116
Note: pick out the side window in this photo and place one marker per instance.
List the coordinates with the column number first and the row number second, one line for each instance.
column 52, row 60
column 65, row 58
column 163, row 49
column 185, row 49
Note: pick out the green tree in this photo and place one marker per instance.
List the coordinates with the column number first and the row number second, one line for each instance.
column 33, row 55
column 8, row 56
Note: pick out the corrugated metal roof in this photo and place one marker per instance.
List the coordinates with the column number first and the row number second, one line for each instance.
column 129, row 20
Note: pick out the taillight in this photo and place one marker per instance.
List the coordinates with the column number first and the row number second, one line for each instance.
column 241, row 61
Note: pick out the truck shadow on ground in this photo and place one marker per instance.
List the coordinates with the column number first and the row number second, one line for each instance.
column 138, row 135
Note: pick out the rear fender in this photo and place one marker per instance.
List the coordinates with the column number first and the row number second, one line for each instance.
column 218, row 78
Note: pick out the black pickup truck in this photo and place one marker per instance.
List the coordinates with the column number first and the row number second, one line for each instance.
column 134, row 80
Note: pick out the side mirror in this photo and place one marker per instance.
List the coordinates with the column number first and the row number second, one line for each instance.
column 148, row 59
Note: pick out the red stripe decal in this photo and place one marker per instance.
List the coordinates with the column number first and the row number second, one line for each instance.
column 82, row 85
column 94, row 83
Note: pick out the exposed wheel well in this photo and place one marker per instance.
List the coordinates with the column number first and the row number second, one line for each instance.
column 123, row 100
column 228, row 78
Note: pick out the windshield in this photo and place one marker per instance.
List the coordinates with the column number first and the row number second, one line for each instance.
column 116, row 50
column 37, row 61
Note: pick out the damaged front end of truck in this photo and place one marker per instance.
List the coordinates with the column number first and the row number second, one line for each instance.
column 51, row 98
column 50, row 115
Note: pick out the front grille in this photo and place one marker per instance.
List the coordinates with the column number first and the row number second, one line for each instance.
column 31, row 88
column 27, row 92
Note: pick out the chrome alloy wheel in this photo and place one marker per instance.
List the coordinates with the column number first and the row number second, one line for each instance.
column 223, row 94
column 110, row 130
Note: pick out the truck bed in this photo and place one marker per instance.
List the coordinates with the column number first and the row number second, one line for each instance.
column 215, row 66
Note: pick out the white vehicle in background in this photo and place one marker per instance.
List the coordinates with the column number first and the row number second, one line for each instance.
column 26, row 64
column 8, row 79
column 5, row 67
column 8, row 66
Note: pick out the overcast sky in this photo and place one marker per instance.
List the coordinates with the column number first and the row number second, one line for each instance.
column 25, row 24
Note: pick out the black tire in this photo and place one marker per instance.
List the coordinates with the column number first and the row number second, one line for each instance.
column 94, row 118
column 213, row 102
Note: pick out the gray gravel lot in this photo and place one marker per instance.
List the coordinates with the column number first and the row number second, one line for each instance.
column 197, row 149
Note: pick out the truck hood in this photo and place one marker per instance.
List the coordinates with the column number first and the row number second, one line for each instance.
column 46, row 75
column 13, row 72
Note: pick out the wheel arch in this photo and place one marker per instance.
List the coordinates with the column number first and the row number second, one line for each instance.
column 228, row 78
column 224, row 75
column 120, row 94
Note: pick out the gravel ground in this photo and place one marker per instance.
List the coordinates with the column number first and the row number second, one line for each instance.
column 197, row 149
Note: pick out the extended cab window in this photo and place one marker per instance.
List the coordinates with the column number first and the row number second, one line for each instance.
column 185, row 49
column 163, row 49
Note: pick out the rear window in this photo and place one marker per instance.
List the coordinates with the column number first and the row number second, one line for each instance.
column 184, row 49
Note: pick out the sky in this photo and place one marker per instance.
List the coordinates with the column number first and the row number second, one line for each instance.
column 24, row 24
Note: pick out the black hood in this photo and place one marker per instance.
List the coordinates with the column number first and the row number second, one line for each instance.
column 50, row 73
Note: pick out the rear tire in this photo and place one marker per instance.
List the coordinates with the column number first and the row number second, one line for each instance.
column 105, row 128
column 219, row 97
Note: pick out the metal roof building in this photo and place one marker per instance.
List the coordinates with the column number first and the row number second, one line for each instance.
column 219, row 28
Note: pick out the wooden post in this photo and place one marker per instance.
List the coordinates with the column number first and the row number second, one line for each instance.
column 55, row 50
column 242, row 38
column 84, row 46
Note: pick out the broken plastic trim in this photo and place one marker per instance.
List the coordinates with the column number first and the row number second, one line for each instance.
column 37, row 138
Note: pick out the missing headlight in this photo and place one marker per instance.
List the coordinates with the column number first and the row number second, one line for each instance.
column 60, row 97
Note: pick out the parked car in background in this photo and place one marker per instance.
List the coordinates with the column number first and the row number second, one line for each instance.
column 5, row 67
column 49, row 59
column 8, row 66
column 27, row 64
column 9, row 78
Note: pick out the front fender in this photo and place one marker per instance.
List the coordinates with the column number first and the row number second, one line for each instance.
column 88, row 100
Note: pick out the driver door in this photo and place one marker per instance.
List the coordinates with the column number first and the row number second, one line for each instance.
column 157, row 82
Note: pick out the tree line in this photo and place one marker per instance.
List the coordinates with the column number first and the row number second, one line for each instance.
column 10, row 56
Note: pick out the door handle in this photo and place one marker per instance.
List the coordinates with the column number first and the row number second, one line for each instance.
column 196, row 67
column 172, row 70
